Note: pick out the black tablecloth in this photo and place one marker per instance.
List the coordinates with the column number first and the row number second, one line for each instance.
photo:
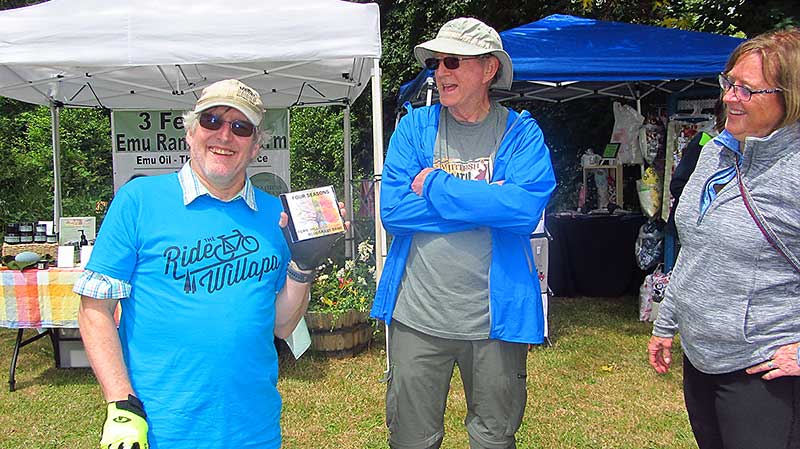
column 593, row 255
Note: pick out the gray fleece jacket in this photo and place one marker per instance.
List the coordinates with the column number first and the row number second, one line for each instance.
column 732, row 297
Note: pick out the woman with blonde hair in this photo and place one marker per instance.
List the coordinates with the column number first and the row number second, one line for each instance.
column 734, row 295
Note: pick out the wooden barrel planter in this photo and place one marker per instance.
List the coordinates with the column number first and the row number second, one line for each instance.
column 344, row 336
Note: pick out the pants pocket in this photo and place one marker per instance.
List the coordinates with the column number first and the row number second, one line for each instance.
column 518, row 399
column 391, row 402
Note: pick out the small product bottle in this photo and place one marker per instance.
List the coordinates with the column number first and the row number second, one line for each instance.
column 26, row 232
column 11, row 235
column 84, row 240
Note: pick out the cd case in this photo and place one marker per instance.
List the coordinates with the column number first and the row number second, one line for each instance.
column 312, row 213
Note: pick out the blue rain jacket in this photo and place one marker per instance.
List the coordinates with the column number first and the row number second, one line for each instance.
column 449, row 204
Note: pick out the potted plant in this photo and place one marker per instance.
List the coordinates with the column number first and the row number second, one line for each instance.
column 341, row 296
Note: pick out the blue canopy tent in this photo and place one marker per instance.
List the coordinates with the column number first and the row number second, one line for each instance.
column 562, row 58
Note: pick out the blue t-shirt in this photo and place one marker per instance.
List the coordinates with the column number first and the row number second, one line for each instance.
column 197, row 330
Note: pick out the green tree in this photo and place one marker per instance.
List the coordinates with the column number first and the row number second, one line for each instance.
column 317, row 146
column 26, row 173
column 745, row 18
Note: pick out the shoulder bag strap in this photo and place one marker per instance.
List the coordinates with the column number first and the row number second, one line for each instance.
column 763, row 226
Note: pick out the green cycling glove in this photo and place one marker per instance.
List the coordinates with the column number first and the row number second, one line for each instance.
column 125, row 426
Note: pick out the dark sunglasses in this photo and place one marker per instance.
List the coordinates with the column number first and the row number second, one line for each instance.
column 214, row 122
column 450, row 62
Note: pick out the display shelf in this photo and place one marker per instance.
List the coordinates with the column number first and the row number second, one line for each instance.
column 616, row 170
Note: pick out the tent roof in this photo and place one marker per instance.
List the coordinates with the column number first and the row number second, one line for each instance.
column 567, row 48
column 150, row 54
column 561, row 57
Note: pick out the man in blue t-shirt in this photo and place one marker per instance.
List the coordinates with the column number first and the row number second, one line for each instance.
column 206, row 280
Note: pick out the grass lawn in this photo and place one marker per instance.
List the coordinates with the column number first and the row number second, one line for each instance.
column 592, row 388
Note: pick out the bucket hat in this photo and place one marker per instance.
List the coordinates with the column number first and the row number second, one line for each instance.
column 466, row 36
column 235, row 94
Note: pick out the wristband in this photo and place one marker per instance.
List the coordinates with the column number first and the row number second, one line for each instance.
column 298, row 275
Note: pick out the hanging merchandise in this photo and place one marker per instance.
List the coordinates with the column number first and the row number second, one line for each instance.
column 627, row 122
column 612, row 190
column 680, row 130
column 582, row 198
column 649, row 247
column 649, row 192
column 651, row 293
column 601, row 181
column 653, row 137
column 646, row 299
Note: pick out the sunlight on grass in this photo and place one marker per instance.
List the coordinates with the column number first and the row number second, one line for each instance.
column 591, row 389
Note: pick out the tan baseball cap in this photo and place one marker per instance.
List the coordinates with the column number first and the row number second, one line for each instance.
column 466, row 36
column 235, row 94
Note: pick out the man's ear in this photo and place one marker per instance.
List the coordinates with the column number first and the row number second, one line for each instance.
column 189, row 137
column 490, row 68
column 256, row 148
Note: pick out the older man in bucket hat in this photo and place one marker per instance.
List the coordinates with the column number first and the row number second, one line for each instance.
column 199, row 262
column 464, row 185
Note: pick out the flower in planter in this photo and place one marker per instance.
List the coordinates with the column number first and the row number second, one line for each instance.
column 339, row 289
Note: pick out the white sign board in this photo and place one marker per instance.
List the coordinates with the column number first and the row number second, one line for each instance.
column 71, row 228
column 153, row 142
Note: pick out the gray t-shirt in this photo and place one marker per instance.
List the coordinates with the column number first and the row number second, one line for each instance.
column 445, row 288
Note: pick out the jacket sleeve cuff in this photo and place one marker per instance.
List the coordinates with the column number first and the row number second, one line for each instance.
column 660, row 330
column 426, row 186
column 798, row 355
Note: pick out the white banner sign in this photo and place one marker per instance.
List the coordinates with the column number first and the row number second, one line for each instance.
column 153, row 142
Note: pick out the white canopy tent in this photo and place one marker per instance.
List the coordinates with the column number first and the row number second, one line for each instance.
column 149, row 54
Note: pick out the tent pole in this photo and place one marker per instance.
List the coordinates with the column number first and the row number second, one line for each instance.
column 348, row 185
column 54, row 125
column 639, row 110
column 377, row 164
column 429, row 85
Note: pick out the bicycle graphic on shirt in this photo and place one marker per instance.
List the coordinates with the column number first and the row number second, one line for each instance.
column 230, row 247
column 232, row 243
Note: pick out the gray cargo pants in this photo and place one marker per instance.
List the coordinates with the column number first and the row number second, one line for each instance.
column 421, row 366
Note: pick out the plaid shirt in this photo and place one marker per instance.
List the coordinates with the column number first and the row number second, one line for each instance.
column 100, row 286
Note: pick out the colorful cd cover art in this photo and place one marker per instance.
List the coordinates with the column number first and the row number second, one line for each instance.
column 313, row 213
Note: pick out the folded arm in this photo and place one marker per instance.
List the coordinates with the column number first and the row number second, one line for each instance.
column 516, row 198
column 402, row 210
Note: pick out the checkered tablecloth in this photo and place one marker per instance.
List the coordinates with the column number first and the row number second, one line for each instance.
column 39, row 298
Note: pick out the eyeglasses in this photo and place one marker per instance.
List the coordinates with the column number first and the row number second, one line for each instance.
column 451, row 62
column 214, row 122
column 742, row 93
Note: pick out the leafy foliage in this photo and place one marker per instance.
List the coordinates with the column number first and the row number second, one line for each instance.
column 741, row 18
column 26, row 170
column 317, row 147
